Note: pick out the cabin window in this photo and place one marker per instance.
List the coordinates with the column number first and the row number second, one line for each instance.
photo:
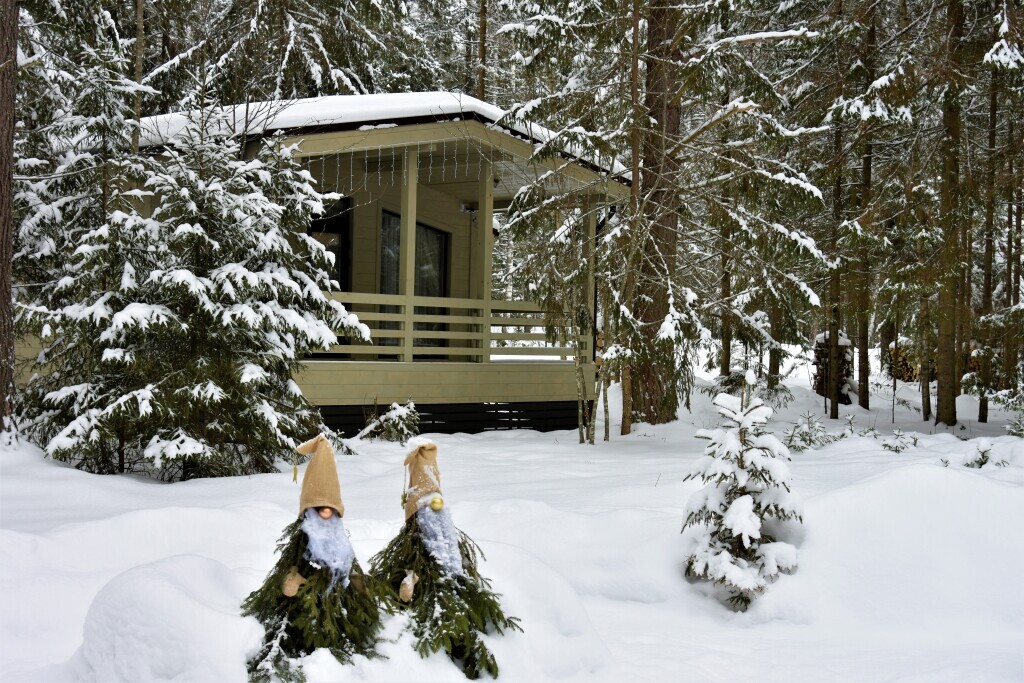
column 432, row 262
column 333, row 229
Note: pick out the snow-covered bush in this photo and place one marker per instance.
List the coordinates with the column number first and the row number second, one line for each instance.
column 899, row 441
column 746, row 485
column 869, row 433
column 808, row 432
column 172, row 344
column 399, row 423
column 979, row 457
column 1015, row 427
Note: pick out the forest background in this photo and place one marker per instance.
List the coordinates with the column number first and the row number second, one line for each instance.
column 799, row 168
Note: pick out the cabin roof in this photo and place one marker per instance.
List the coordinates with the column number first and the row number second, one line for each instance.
column 364, row 112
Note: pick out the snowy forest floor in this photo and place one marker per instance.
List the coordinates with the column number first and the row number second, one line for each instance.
column 909, row 570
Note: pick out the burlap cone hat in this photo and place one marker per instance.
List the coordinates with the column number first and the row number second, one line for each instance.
column 320, row 486
column 424, row 477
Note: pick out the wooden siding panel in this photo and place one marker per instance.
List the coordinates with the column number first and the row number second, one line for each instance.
column 359, row 383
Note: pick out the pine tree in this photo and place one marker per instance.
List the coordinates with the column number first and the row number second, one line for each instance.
column 185, row 315
column 746, row 493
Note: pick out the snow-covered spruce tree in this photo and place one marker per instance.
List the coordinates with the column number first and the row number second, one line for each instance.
column 187, row 312
column 746, row 488
column 316, row 596
column 71, row 152
column 280, row 49
column 432, row 566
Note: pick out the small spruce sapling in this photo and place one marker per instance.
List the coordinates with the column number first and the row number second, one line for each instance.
column 432, row 566
column 399, row 423
column 746, row 478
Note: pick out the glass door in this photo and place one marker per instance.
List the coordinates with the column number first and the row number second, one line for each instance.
column 333, row 229
column 431, row 278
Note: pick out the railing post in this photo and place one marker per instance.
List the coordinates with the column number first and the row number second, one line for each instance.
column 407, row 247
column 483, row 252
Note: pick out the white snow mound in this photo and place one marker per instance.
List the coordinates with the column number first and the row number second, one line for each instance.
column 172, row 620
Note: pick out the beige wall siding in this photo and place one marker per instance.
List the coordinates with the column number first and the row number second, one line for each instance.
column 365, row 383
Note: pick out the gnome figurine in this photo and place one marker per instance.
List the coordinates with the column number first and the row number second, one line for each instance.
column 316, row 595
column 432, row 566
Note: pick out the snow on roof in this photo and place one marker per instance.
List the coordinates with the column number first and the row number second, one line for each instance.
column 362, row 112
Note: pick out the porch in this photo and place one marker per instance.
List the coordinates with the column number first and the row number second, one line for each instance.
column 413, row 240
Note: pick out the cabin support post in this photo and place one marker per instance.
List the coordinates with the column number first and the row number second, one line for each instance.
column 589, row 247
column 407, row 248
column 483, row 253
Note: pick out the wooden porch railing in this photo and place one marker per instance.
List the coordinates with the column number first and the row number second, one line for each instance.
column 464, row 330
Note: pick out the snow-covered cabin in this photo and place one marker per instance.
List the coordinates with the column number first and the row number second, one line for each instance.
column 422, row 175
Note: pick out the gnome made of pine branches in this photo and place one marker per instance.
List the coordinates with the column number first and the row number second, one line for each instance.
column 316, row 595
column 433, row 568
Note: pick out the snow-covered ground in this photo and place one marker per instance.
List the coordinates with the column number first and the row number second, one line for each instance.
column 909, row 570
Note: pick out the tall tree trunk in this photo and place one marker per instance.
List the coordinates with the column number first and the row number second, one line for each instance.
column 726, row 295
column 834, row 286
column 990, row 212
column 964, row 313
column 655, row 393
column 140, row 53
column 863, row 303
column 481, row 65
column 949, row 206
column 1009, row 338
column 925, row 366
column 1018, row 262
column 8, row 74
column 774, row 352
column 635, row 142
column 839, row 172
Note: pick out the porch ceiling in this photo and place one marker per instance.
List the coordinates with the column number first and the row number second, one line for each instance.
column 451, row 155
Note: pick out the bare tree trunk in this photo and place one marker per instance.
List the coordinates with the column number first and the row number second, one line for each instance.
column 726, row 295
column 654, row 387
column 481, row 65
column 834, row 287
column 863, row 295
column 964, row 313
column 925, row 371
column 8, row 74
column 140, row 52
column 634, row 207
column 601, row 304
column 986, row 286
column 774, row 352
column 949, row 205
column 863, row 303
column 1018, row 263
column 1009, row 339
column 605, row 380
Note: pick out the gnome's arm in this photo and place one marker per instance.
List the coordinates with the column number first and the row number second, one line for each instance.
column 293, row 580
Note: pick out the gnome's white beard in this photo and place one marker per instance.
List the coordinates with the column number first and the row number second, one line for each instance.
column 442, row 540
column 328, row 545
